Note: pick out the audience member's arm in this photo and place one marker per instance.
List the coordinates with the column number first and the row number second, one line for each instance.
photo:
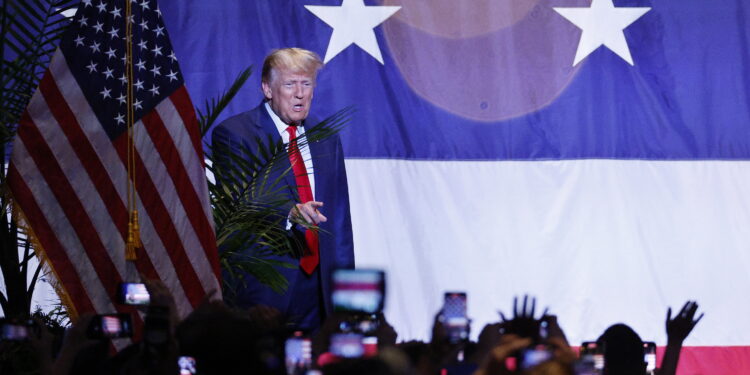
column 677, row 330
column 75, row 340
column 494, row 363
column 42, row 344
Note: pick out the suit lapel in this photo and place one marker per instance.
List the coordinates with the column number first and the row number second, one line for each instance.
column 268, row 127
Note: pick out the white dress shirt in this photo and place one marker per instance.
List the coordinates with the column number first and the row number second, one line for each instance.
column 303, row 147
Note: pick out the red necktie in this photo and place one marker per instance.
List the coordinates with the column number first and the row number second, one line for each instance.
column 309, row 260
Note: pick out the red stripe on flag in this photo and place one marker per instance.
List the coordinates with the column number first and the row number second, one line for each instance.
column 92, row 164
column 713, row 360
column 185, row 108
column 71, row 205
column 151, row 200
column 53, row 250
column 184, row 186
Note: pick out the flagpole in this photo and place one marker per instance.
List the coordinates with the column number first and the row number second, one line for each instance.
column 134, row 238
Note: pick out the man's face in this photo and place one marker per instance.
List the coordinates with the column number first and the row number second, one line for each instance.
column 289, row 94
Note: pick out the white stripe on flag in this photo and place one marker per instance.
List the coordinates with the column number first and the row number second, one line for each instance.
column 598, row 241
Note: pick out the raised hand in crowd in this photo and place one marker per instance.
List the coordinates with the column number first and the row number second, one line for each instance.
column 678, row 329
column 524, row 323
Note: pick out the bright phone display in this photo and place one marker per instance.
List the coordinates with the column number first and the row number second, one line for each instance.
column 359, row 290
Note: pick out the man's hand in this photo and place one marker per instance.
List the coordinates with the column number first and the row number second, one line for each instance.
column 680, row 327
column 308, row 212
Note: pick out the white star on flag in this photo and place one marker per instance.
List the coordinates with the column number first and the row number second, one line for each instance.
column 105, row 93
column 602, row 25
column 353, row 23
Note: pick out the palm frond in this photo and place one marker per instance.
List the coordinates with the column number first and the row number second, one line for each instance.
column 215, row 106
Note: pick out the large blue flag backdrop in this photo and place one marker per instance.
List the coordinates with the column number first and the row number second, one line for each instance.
column 591, row 152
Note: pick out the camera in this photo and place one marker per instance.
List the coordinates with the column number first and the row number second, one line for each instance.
column 133, row 294
column 534, row 355
column 454, row 316
column 298, row 354
column 186, row 365
column 17, row 330
column 347, row 345
column 358, row 291
column 591, row 359
column 649, row 356
column 110, row 326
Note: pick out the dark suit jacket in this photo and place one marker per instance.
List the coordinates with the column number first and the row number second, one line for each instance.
column 336, row 247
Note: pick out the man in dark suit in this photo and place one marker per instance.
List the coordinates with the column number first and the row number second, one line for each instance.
column 317, row 186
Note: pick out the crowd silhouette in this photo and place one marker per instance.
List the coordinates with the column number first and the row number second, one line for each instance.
column 217, row 339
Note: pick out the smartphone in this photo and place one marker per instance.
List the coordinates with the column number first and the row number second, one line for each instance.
column 359, row 291
column 649, row 356
column 298, row 354
column 592, row 351
column 454, row 316
column 15, row 330
column 591, row 359
column 534, row 355
column 369, row 346
column 110, row 326
column 347, row 345
column 186, row 365
column 133, row 294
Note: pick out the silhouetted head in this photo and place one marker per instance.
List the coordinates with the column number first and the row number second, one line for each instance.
column 623, row 351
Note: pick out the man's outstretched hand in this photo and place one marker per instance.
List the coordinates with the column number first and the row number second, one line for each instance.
column 308, row 212
column 683, row 323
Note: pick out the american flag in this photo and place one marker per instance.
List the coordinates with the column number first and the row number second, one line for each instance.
column 68, row 171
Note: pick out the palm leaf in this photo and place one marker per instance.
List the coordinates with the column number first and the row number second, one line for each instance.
column 214, row 107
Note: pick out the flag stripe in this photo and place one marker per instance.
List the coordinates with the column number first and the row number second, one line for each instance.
column 54, row 216
column 53, row 249
column 94, row 210
column 71, row 206
column 160, row 176
column 102, row 146
column 190, row 201
column 175, row 126
column 184, row 106
column 166, row 229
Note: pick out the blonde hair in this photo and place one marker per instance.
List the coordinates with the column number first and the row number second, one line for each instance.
column 297, row 60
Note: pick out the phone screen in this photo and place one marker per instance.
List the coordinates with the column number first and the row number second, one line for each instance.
column 347, row 345
column 298, row 355
column 649, row 356
column 134, row 294
column 186, row 365
column 454, row 316
column 590, row 351
column 111, row 326
column 14, row 332
column 535, row 355
column 358, row 290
